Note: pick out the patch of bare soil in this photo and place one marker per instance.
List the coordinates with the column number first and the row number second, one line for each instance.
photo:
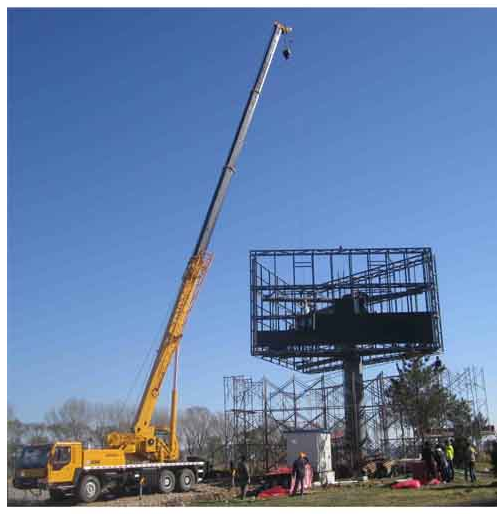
column 214, row 491
column 201, row 492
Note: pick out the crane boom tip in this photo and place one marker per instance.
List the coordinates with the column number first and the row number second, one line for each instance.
column 285, row 29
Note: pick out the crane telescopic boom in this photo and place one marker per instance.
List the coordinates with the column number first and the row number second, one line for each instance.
column 239, row 139
column 143, row 440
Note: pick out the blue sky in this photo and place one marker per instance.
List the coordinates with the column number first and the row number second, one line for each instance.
column 380, row 131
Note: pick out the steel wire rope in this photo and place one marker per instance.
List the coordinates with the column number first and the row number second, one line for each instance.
column 142, row 366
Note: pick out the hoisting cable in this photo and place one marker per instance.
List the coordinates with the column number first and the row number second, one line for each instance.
column 155, row 341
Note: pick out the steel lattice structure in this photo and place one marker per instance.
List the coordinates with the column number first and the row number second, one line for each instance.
column 311, row 308
column 470, row 384
column 257, row 412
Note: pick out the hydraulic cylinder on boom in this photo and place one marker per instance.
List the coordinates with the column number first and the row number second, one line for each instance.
column 143, row 441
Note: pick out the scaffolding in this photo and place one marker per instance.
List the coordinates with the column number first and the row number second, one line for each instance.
column 470, row 385
column 258, row 412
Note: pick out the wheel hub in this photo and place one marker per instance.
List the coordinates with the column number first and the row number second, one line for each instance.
column 90, row 489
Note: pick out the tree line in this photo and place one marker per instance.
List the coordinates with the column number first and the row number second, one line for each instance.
column 201, row 432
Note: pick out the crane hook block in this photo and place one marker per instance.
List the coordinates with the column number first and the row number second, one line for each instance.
column 287, row 53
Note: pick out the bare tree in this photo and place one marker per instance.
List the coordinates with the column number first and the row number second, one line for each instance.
column 71, row 420
column 219, row 427
column 122, row 417
column 106, row 418
column 102, row 422
column 201, row 432
column 195, row 426
column 217, row 444
column 161, row 418
column 36, row 433
column 15, row 433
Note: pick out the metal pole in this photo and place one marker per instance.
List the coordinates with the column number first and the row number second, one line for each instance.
column 324, row 401
column 295, row 404
column 174, row 402
column 266, row 438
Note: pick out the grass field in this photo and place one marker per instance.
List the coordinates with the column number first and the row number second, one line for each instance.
column 373, row 493
column 457, row 493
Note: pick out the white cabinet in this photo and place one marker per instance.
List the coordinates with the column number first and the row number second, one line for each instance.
column 315, row 443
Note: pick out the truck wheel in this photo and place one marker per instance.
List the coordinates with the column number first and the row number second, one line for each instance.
column 166, row 481
column 89, row 489
column 186, row 480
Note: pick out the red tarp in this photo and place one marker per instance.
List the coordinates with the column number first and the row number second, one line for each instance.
column 407, row 484
column 420, row 472
column 278, row 490
column 279, row 471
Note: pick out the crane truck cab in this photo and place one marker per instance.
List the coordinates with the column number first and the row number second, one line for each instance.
column 68, row 469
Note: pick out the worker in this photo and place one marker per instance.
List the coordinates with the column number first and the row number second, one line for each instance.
column 304, row 322
column 298, row 471
column 428, row 458
column 469, row 461
column 243, row 475
column 450, row 455
column 441, row 462
column 233, row 473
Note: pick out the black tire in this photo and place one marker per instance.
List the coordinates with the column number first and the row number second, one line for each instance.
column 185, row 480
column 56, row 495
column 89, row 489
column 166, row 481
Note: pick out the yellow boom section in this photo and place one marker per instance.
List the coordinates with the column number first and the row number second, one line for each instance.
column 191, row 282
column 143, row 440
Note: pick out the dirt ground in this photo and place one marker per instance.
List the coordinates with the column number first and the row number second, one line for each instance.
column 207, row 492
column 201, row 493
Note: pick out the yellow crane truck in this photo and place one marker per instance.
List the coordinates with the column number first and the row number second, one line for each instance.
column 140, row 456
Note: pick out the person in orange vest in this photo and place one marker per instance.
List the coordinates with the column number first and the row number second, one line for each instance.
column 298, row 470
column 233, row 473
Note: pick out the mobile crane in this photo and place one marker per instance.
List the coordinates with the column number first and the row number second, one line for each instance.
column 141, row 456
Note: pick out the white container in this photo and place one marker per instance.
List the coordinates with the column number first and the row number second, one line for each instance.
column 328, row 477
column 317, row 446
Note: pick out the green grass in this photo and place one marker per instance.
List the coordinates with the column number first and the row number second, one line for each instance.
column 458, row 493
